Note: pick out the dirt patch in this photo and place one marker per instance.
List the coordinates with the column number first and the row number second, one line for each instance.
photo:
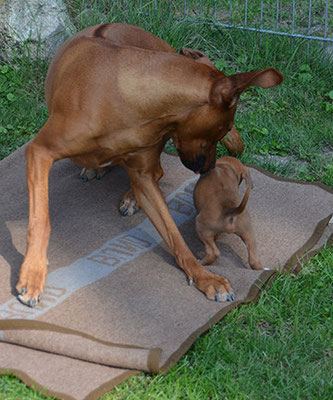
column 292, row 162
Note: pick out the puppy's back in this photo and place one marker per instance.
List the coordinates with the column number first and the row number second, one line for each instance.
column 219, row 188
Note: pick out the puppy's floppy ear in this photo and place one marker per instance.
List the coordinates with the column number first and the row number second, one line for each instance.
column 191, row 53
column 196, row 55
column 227, row 90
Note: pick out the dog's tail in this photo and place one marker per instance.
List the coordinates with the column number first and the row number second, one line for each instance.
column 233, row 212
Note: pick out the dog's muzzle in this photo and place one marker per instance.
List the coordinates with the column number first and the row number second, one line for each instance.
column 198, row 165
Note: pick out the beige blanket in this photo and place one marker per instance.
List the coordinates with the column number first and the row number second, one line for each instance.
column 115, row 301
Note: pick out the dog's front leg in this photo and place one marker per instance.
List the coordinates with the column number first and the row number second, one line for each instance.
column 151, row 200
column 33, row 270
column 128, row 204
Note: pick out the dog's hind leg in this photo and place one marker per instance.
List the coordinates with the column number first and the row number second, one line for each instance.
column 34, row 268
column 250, row 243
column 244, row 230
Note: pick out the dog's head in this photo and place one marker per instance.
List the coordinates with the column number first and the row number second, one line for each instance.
column 200, row 129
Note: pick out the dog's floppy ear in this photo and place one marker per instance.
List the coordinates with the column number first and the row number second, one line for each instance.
column 226, row 90
column 233, row 142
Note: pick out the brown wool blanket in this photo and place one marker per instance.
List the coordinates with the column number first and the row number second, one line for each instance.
column 115, row 301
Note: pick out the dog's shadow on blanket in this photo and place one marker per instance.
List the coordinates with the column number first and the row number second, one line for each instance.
column 10, row 254
column 228, row 244
column 98, row 203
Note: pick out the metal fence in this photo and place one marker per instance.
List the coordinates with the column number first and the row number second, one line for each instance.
column 307, row 19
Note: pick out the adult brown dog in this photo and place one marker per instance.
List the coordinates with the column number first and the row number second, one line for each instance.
column 115, row 97
column 220, row 209
column 232, row 140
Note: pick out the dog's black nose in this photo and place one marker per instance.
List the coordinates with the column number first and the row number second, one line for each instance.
column 205, row 171
column 197, row 165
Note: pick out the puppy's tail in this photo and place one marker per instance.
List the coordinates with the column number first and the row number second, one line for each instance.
column 233, row 212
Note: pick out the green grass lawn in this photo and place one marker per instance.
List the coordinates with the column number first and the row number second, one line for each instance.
column 281, row 346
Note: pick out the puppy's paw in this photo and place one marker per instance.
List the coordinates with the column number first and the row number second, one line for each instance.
column 255, row 263
column 200, row 255
column 208, row 259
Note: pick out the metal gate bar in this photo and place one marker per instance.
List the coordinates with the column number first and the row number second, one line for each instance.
column 194, row 11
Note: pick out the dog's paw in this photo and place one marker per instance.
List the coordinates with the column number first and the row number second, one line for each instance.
column 215, row 287
column 220, row 297
column 208, row 259
column 27, row 300
column 87, row 174
column 30, row 285
column 129, row 205
column 200, row 255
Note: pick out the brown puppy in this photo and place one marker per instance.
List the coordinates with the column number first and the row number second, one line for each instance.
column 220, row 208
column 114, row 97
